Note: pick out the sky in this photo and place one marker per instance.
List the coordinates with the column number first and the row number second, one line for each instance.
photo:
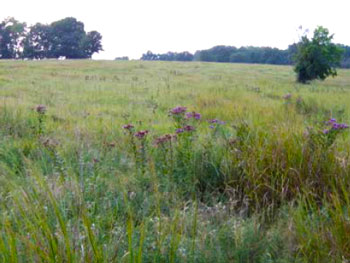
column 132, row 27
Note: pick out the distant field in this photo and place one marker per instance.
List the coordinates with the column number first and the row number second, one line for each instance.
column 104, row 91
column 269, row 185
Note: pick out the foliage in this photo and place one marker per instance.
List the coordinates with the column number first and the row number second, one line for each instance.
column 122, row 58
column 262, row 55
column 170, row 56
column 63, row 38
column 317, row 58
column 11, row 33
column 37, row 43
column 231, row 54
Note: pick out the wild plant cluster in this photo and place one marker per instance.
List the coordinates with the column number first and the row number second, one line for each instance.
column 206, row 190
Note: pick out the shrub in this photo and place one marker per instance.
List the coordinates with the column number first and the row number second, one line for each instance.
column 317, row 58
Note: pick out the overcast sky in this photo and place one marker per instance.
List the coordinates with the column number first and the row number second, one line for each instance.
column 131, row 27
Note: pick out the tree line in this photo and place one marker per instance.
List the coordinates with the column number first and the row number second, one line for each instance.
column 250, row 54
column 63, row 38
column 170, row 56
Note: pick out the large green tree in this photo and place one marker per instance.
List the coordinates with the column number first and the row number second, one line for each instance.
column 317, row 58
column 66, row 37
column 91, row 44
column 37, row 43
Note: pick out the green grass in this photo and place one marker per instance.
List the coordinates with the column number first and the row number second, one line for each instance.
column 268, row 186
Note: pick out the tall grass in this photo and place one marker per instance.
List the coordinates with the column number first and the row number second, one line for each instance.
column 259, row 176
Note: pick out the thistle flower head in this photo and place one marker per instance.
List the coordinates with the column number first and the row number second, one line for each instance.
column 141, row 134
column 179, row 130
column 163, row 139
column 189, row 128
column 41, row 109
column 128, row 127
column 216, row 121
column 194, row 115
column 178, row 110
column 288, row 96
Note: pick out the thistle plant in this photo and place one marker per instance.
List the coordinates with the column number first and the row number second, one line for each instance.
column 178, row 115
column 186, row 125
column 327, row 136
column 41, row 114
column 142, row 157
column 130, row 131
column 164, row 145
column 138, row 147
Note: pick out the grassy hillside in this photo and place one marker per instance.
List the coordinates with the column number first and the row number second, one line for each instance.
column 261, row 174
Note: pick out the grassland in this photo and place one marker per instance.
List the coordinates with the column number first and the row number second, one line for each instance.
column 269, row 185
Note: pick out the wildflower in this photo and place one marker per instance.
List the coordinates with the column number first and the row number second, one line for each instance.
column 287, row 96
column 194, row 115
column 335, row 125
column 325, row 131
column 128, row 127
column 331, row 121
column 178, row 110
column 163, row 139
column 41, row 109
column 179, row 130
column 141, row 134
column 340, row 126
column 189, row 128
column 211, row 127
column 216, row 121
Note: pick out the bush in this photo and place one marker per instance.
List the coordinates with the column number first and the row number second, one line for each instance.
column 317, row 58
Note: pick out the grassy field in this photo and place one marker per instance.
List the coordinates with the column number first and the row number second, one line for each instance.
column 261, row 174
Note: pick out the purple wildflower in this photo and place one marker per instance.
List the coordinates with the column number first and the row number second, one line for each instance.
column 211, row 127
column 128, row 127
column 194, row 115
column 178, row 110
column 336, row 126
column 141, row 134
column 216, row 121
column 339, row 126
column 189, row 128
column 287, row 96
column 179, row 130
column 163, row 139
column 41, row 109
column 325, row 131
column 331, row 121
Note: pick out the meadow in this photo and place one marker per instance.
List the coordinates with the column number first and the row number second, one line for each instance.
column 135, row 161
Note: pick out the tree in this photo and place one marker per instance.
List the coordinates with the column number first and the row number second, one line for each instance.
column 11, row 35
column 91, row 44
column 37, row 44
column 122, row 58
column 65, row 37
column 317, row 58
